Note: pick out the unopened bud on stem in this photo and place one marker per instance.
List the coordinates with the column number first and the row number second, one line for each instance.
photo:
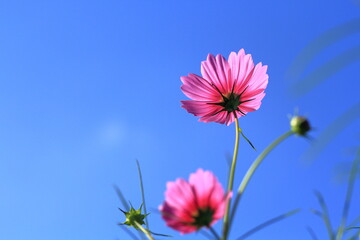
column 133, row 216
column 300, row 125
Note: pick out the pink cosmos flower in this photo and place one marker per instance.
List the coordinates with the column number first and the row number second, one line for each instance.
column 191, row 205
column 228, row 89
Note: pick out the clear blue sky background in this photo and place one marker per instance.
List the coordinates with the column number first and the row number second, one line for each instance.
column 87, row 87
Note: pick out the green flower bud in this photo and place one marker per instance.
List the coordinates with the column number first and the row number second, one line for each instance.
column 133, row 216
column 300, row 125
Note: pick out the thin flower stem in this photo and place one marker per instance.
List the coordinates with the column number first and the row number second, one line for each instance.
column 350, row 189
column 231, row 179
column 252, row 170
column 217, row 237
column 145, row 231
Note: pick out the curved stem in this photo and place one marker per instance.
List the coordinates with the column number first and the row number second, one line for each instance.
column 252, row 170
column 231, row 179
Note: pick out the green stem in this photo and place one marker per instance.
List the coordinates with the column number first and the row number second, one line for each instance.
column 145, row 231
column 350, row 189
column 231, row 179
column 252, row 170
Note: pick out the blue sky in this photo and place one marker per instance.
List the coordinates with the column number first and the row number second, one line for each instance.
column 88, row 87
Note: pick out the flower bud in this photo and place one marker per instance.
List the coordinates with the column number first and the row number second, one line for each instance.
column 300, row 125
column 133, row 216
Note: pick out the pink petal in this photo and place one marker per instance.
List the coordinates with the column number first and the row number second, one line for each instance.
column 179, row 194
column 252, row 105
column 219, row 117
column 197, row 88
column 174, row 221
column 259, row 78
column 220, row 210
column 200, row 108
column 241, row 67
column 216, row 71
column 230, row 119
column 203, row 183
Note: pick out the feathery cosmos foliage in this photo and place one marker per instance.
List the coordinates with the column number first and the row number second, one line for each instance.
column 227, row 90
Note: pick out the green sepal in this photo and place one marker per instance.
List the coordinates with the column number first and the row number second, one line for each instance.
column 133, row 216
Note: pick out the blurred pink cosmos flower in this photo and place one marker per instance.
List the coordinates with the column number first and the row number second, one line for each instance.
column 191, row 205
column 228, row 89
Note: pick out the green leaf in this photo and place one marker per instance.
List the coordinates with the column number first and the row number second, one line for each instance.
column 312, row 233
column 314, row 48
column 142, row 193
column 331, row 131
column 268, row 223
column 159, row 234
column 242, row 134
column 355, row 236
column 122, row 198
column 205, row 234
column 316, row 212
column 353, row 228
column 325, row 214
column 354, row 222
column 349, row 192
